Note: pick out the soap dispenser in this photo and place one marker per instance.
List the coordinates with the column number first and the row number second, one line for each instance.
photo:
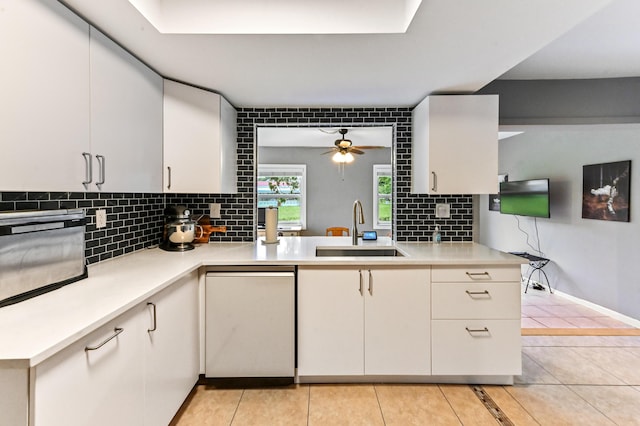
column 436, row 237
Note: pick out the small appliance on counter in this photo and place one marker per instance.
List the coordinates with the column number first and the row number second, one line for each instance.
column 179, row 230
column 40, row 251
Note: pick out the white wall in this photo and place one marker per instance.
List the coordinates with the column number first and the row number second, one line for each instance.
column 595, row 260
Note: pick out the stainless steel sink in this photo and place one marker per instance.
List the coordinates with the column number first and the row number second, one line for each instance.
column 357, row 251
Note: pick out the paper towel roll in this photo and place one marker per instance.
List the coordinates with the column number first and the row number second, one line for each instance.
column 271, row 225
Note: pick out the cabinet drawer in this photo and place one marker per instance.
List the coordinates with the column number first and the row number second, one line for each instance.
column 475, row 300
column 476, row 347
column 475, row 273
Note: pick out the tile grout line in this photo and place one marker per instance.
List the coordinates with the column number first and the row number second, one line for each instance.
column 308, row 404
column 588, row 403
column 237, row 406
column 375, row 391
column 520, row 404
column 491, row 406
column 455, row 413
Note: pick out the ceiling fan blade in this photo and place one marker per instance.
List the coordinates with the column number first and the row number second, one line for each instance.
column 330, row 151
column 356, row 151
column 369, row 147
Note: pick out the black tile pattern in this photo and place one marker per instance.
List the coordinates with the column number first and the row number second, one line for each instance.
column 134, row 221
column 414, row 214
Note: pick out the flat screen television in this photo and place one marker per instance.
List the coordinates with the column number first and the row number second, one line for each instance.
column 525, row 197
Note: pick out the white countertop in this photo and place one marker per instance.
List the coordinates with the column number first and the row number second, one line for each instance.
column 33, row 330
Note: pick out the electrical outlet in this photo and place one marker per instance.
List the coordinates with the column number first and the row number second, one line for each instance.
column 443, row 211
column 214, row 211
column 101, row 218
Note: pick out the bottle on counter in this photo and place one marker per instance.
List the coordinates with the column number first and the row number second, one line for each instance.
column 436, row 237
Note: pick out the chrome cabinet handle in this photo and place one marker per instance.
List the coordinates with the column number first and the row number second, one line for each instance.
column 101, row 164
column 361, row 283
column 116, row 331
column 169, row 177
column 155, row 323
column 434, row 187
column 477, row 330
column 370, row 283
column 477, row 293
column 88, row 173
column 477, row 274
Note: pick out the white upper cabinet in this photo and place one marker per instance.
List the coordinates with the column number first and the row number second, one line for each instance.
column 126, row 120
column 455, row 145
column 199, row 141
column 44, row 111
column 78, row 112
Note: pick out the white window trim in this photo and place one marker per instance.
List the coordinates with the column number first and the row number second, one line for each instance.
column 380, row 170
column 294, row 170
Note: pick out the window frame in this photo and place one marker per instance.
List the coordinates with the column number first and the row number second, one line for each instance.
column 287, row 170
column 381, row 170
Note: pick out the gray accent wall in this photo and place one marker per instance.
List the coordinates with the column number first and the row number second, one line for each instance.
column 594, row 260
column 330, row 194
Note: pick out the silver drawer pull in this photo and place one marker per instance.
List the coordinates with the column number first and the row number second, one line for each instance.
column 155, row 321
column 116, row 331
column 477, row 274
column 477, row 330
column 477, row 293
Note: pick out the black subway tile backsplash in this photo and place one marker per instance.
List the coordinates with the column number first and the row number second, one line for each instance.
column 135, row 220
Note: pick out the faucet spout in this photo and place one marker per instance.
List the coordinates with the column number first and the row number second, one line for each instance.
column 358, row 217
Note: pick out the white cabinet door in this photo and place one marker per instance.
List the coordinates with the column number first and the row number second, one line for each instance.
column 330, row 322
column 96, row 387
column 199, row 141
column 44, row 81
column 397, row 330
column 391, row 336
column 126, row 120
column 172, row 355
column 455, row 145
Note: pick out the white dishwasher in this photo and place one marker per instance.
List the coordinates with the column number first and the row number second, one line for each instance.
column 250, row 323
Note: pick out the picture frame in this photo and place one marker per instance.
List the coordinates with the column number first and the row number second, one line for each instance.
column 606, row 191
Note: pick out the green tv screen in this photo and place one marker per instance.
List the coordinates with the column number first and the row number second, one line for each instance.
column 525, row 198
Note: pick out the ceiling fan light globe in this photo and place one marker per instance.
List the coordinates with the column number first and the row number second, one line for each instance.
column 339, row 157
column 348, row 158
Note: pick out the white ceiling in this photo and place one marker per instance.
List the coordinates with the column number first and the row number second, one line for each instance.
column 278, row 16
column 451, row 46
column 605, row 45
column 324, row 137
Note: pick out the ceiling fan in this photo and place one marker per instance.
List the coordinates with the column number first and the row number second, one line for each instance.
column 344, row 149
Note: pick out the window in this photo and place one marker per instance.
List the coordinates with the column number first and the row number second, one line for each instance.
column 284, row 186
column 382, row 190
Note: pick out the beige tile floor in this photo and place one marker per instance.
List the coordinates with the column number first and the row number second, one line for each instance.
column 541, row 309
column 566, row 380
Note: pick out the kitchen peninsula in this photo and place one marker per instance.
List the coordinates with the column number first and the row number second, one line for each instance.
column 467, row 295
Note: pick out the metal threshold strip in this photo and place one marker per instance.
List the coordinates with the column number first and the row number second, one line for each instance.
column 491, row 406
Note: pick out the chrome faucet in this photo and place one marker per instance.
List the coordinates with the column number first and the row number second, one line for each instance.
column 360, row 219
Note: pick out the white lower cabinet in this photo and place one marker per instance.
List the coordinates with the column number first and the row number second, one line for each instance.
column 135, row 370
column 475, row 327
column 91, row 383
column 363, row 321
column 172, row 360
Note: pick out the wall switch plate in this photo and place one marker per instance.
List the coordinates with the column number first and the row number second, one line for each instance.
column 101, row 218
column 443, row 211
column 214, row 211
